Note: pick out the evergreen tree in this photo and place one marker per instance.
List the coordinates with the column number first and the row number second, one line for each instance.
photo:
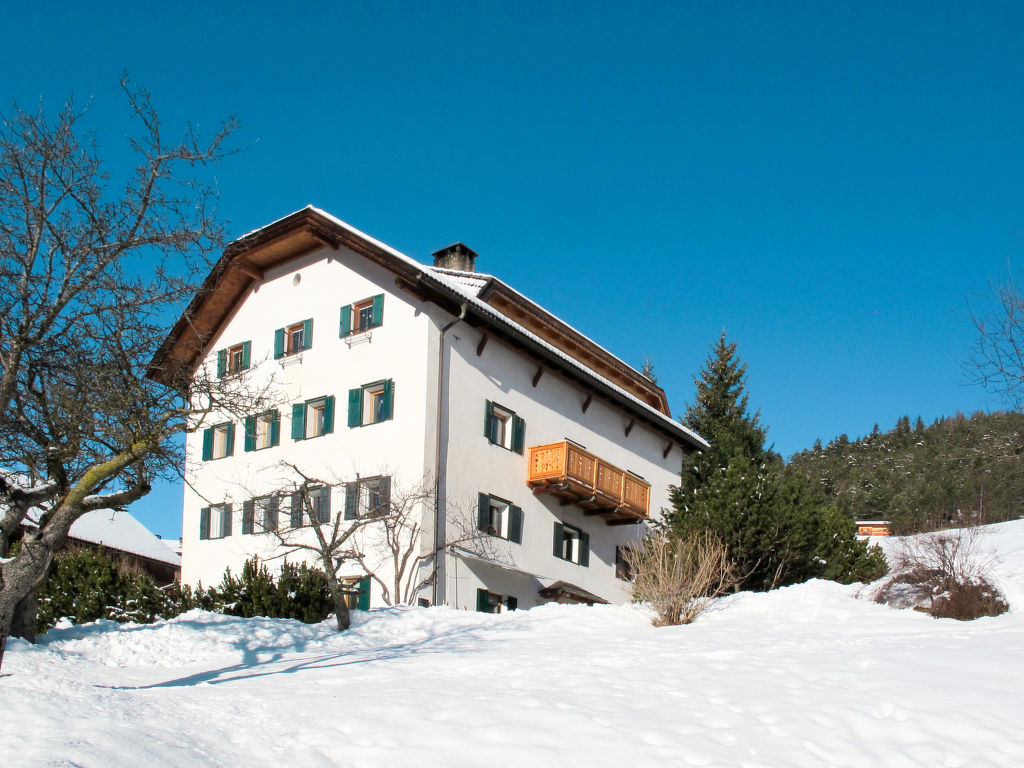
column 719, row 414
column 648, row 370
column 773, row 521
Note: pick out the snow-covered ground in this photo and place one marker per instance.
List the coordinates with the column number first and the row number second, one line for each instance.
column 804, row 676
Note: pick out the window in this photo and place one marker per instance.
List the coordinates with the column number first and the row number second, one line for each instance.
column 233, row 359
column 260, row 515
column 215, row 521
column 572, row 544
column 371, row 403
column 362, row 315
column 623, row 564
column 293, row 339
column 313, row 418
column 218, row 441
column 263, row 431
column 319, row 506
column 490, row 602
column 500, row 518
column 368, row 497
column 502, row 427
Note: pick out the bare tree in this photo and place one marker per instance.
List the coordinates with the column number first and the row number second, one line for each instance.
column 997, row 361
column 89, row 273
column 680, row 576
column 378, row 531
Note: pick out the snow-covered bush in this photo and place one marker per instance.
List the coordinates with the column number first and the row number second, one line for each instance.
column 87, row 584
column 299, row 592
column 945, row 574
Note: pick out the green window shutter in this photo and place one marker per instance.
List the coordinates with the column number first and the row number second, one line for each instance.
column 250, row 433
column 355, row 407
column 230, row 451
column 246, row 355
column 307, row 334
column 208, row 444
column 511, row 603
column 225, row 521
column 518, row 434
column 483, row 514
column 488, row 417
column 222, row 363
column 275, row 428
column 328, row 415
column 364, row 593
column 378, row 311
column 248, row 511
column 482, row 600
column 270, row 514
column 384, row 493
column 324, row 509
column 559, row 536
column 279, row 343
column 298, row 421
column 204, row 523
column 345, row 326
column 515, row 524
column 296, row 511
column 389, row 399
column 585, row 550
column 351, row 500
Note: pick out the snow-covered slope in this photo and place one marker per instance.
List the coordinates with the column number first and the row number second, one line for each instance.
column 804, row 676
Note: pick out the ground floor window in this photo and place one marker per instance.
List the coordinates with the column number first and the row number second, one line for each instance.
column 492, row 602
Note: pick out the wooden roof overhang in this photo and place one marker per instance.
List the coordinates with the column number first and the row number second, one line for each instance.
column 243, row 264
column 539, row 321
column 476, row 316
column 565, row 592
column 247, row 259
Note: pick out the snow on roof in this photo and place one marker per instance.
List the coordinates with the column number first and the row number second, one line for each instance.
column 467, row 285
column 121, row 531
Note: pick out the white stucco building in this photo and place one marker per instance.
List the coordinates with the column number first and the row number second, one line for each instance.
column 388, row 372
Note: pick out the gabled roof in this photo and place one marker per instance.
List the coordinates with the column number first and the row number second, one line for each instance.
column 485, row 301
column 118, row 530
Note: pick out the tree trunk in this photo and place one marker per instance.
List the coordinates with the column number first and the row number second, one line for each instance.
column 340, row 603
column 23, row 622
column 20, row 580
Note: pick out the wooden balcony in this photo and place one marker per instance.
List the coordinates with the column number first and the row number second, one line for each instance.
column 578, row 477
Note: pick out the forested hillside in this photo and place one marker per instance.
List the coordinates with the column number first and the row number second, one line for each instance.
column 922, row 478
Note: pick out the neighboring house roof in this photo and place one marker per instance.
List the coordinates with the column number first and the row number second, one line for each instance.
column 485, row 301
column 119, row 530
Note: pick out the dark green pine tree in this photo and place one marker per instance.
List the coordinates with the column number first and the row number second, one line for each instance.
column 771, row 519
column 720, row 415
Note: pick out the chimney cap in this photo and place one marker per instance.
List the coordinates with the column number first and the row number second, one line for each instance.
column 458, row 256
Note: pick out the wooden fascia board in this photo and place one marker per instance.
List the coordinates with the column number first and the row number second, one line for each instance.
column 576, row 345
column 541, row 355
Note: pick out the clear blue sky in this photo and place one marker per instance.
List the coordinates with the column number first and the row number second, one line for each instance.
column 829, row 183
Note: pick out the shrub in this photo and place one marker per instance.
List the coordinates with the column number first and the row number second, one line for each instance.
column 300, row 592
column 945, row 574
column 87, row 584
column 680, row 576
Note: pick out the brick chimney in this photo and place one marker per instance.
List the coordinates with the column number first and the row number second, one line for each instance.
column 459, row 257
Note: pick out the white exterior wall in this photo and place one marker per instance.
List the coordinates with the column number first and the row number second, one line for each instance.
column 553, row 412
column 396, row 350
column 405, row 349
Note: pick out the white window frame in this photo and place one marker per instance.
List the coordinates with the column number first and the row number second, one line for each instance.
column 315, row 411
column 221, row 433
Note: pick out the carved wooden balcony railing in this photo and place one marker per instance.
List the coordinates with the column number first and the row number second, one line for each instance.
column 578, row 477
